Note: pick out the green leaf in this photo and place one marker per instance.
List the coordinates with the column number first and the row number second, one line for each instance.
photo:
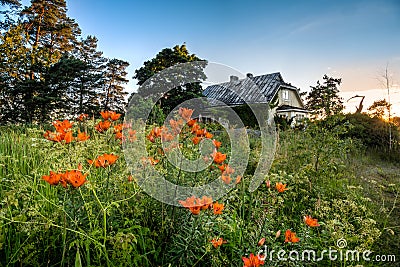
column 78, row 262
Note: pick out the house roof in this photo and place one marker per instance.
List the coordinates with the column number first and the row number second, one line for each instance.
column 252, row 89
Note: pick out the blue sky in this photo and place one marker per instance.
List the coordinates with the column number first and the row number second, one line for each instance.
column 303, row 40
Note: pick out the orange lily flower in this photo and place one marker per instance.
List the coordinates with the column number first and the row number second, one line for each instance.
column 62, row 126
column 209, row 135
column 252, row 261
column 195, row 127
column 105, row 115
column 82, row 136
column 310, row 221
column 196, row 140
column 75, row 178
column 218, row 242
column 219, row 157
column 185, row 113
column 238, row 179
column 113, row 115
column 102, row 126
column 104, row 160
column 261, row 242
column 82, row 117
column 217, row 144
column 226, row 178
column 291, row 237
column 218, row 208
column 205, row 202
column 191, row 122
column 226, row 169
column 53, row 178
column 281, row 187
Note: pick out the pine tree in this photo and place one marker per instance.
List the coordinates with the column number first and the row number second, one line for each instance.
column 323, row 100
column 113, row 95
column 90, row 81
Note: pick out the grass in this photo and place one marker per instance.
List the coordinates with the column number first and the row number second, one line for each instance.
column 110, row 221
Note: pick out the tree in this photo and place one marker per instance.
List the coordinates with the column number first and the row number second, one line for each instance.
column 90, row 81
column 112, row 96
column 10, row 2
column 379, row 109
column 323, row 100
column 166, row 58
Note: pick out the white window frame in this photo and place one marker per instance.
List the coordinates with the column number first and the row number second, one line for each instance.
column 285, row 94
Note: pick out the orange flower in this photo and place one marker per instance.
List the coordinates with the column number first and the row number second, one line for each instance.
column 68, row 137
column 219, row 157
column 104, row 160
column 105, row 115
column 113, row 115
column 75, row 178
column 268, row 183
column 193, row 204
column 195, row 210
column 189, row 202
column 103, row 126
column 130, row 178
column 53, row 178
column 216, row 144
column 238, row 179
column 185, row 113
column 82, row 136
column 201, row 132
column 191, row 122
column 176, row 125
column 196, row 140
column 226, row 169
column 195, row 127
column 119, row 127
column 150, row 160
column 310, row 221
column 209, row 135
column 218, row 242
column 132, row 135
column 280, row 187
column 167, row 137
column 119, row 136
column 252, row 261
column 82, row 117
column 226, row 178
column 62, row 126
column 205, row 202
column 291, row 237
column 218, row 208
column 151, row 138
column 261, row 242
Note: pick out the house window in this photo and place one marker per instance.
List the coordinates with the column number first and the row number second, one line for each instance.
column 285, row 94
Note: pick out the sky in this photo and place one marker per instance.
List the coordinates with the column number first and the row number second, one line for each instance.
column 352, row 40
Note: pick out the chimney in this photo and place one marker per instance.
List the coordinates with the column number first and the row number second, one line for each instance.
column 234, row 78
column 249, row 75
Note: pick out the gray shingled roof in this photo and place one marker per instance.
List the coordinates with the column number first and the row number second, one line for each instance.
column 256, row 89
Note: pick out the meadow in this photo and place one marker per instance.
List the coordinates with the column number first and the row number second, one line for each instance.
column 68, row 199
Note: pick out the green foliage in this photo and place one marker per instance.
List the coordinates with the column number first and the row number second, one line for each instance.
column 164, row 59
column 323, row 100
column 110, row 221
column 379, row 108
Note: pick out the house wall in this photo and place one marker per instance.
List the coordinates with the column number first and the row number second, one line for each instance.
column 293, row 99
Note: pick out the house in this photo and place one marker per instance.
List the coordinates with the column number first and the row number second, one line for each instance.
column 283, row 98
